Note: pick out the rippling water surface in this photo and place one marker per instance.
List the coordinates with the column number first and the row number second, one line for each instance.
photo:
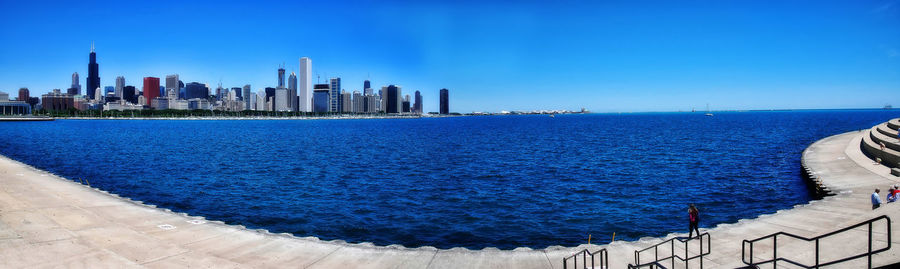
column 500, row 181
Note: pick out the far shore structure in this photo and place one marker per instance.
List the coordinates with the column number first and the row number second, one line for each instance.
column 51, row 221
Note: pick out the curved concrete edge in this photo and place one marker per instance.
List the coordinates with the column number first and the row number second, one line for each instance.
column 237, row 246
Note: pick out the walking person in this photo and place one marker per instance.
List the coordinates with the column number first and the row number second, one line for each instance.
column 892, row 194
column 876, row 200
column 694, row 217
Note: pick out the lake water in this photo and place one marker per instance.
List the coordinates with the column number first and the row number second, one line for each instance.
column 493, row 181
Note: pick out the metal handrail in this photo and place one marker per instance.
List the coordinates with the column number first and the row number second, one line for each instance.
column 604, row 258
column 653, row 265
column 818, row 264
column 686, row 259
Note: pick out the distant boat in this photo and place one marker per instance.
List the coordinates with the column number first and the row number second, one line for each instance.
column 552, row 115
column 708, row 114
column 888, row 106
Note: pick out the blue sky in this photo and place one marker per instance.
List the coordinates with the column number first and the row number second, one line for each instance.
column 612, row 56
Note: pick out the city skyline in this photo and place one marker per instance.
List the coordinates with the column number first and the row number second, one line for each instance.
column 606, row 57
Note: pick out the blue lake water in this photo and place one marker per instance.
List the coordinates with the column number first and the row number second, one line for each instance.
column 499, row 181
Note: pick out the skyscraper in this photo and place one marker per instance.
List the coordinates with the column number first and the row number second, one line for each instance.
column 120, row 86
column 417, row 106
column 76, row 85
column 282, row 100
column 151, row 89
column 270, row 99
column 238, row 93
column 93, row 79
column 306, row 88
column 129, row 94
column 345, row 102
column 335, row 95
column 392, row 101
column 321, row 94
column 24, row 95
column 405, row 105
column 445, row 102
column 280, row 77
column 367, row 85
column 248, row 104
column 196, row 90
column 172, row 86
column 292, row 92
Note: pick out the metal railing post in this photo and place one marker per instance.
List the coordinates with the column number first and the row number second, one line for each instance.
column 774, row 251
column 564, row 263
column 686, row 261
column 870, row 245
column 672, row 251
column 701, row 250
column 817, row 253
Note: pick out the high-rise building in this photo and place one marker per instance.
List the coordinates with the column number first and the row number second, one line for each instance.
column 305, row 95
column 195, row 90
column 345, row 102
column 76, row 85
column 391, row 99
column 98, row 95
column 252, row 100
column 445, row 102
column 172, row 86
column 292, row 92
column 261, row 101
column 248, row 104
column 417, row 106
column 367, row 85
column 93, row 79
column 270, row 99
column 129, row 94
column 335, row 95
column 405, row 105
column 321, row 94
column 281, row 77
column 282, row 100
column 151, row 89
column 358, row 102
column 238, row 93
column 120, row 86
column 24, row 95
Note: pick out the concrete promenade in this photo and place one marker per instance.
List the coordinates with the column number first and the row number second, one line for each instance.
column 47, row 221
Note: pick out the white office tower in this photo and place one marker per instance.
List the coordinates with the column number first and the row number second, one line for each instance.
column 98, row 95
column 251, row 102
column 261, row 101
column 172, row 86
column 305, row 94
column 120, row 86
column 281, row 100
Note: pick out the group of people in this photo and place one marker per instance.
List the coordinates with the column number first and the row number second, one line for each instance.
column 892, row 196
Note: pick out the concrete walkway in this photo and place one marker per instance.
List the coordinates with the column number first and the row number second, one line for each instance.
column 47, row 221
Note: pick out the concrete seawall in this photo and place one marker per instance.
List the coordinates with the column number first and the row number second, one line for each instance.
column 48, row 221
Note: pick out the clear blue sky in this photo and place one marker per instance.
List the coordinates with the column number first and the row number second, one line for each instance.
column 610, row 56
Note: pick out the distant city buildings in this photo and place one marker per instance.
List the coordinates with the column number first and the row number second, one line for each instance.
column 297, row 94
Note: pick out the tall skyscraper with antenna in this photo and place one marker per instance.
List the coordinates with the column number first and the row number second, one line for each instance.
column 306, row 87
column 93, row 79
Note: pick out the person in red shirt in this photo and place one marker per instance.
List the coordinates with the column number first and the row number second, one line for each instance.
column 694, row 217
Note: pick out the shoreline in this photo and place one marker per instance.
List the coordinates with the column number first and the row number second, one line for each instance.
column 70, row 193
